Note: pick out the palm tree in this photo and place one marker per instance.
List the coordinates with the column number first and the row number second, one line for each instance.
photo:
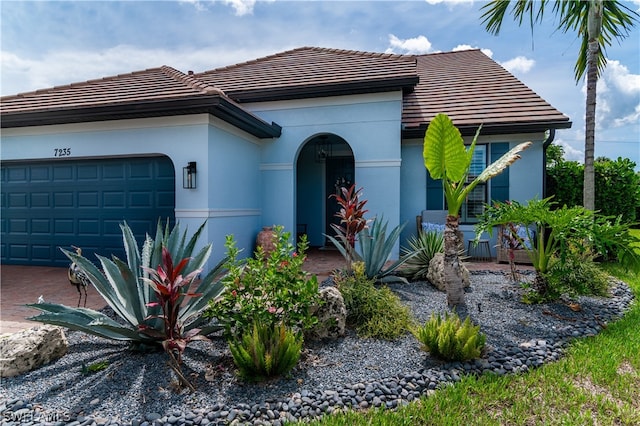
column 596, row 22
column 446, row 158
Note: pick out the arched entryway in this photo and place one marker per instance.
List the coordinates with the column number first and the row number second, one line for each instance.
column 325, row 163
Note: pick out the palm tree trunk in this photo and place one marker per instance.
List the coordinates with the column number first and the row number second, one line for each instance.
column 594, row 26
column 452, row 270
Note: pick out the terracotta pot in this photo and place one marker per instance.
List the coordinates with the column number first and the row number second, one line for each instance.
column 266, row 239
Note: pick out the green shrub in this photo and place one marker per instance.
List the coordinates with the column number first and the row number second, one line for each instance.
column 450, row 338
column 425, row 245
column 123, row 286
column 266, row 350
column 577, row 275
column 266, row 289
column 374, row 312
column 617, row 186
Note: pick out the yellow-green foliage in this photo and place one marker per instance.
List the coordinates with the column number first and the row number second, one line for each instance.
column 450, row 338
column 374, row 312
column 266, row 351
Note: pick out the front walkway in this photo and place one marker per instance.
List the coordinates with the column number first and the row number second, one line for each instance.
column 20, row 285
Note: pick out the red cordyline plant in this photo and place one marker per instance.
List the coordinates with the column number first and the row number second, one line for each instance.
column 352, row 220
column 171, row 288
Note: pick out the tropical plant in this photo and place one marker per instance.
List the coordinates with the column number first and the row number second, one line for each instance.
column 596, row 22
column 266, row 289
column 374, row 312
column 557, row 231
column 266, row 350
column 352, row 221
column 577, row 275
column 375, row 249
column 446, row 158
column 425, row 245
column 450, row 338
column 123, row 286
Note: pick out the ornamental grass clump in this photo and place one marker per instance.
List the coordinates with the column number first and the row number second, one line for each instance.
column 374, row 312
column 450, row 338
column 266, row 350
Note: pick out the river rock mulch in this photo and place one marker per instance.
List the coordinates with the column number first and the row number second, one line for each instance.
column 348, row 373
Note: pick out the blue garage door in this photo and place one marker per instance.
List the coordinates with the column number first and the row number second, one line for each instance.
column 47, row 205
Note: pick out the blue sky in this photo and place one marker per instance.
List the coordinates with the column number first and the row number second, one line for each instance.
column 50, row 43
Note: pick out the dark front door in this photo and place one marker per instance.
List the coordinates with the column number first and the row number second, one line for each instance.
column 339, row 173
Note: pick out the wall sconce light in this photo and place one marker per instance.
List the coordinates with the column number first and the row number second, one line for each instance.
column 323, row 148
column 189, row 176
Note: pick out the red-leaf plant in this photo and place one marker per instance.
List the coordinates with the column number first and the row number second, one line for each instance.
column 352, row 219
column 171, row 288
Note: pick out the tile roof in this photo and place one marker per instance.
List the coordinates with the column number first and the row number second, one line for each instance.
column 472, row 89
column 153, row 92
column 313, row 72
column 467, row 85
column 149, row 85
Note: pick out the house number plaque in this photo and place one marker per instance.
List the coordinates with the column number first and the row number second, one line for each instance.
column 61, row 152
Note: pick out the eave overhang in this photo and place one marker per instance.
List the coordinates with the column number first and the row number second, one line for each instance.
column 216, row 105
column 492, row 129
column 406, row 84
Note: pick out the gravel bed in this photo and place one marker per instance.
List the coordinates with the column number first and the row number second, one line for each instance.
column 348, row 373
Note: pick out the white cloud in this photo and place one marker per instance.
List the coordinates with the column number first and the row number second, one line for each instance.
column 197, row 4
column 22, row 74
column 459, row 47
column 519, row 64
column 617, row 100
column 413, row 46
column 570, row 152
column 242, row 7
column 619, row 75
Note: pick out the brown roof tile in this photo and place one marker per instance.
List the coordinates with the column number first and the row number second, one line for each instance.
column 472, row 89
column 313, row 72
column 161, row 83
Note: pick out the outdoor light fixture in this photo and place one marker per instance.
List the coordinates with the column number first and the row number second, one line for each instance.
column 323, row 148
column 189, row 176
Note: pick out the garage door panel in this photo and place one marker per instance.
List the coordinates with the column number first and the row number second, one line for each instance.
column 68, row 203
column 40, row 174
column 41, row 226
column 18, row 200
column 63, row 173
column 89, row 172
column 18, row 174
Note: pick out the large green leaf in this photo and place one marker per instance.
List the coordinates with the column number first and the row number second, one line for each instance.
column 445, row 155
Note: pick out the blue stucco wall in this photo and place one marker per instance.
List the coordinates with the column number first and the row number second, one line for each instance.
column 369, row 124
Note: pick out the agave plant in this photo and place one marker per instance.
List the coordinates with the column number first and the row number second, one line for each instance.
column 123, row 285
column 425, row 245
column 375, row 249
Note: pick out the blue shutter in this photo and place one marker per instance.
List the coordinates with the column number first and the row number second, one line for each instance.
column 435, row 194
column 500, row 183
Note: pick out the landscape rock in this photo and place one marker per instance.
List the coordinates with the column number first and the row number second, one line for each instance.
column 331, row 313
column 29, row 349
column 435, row 275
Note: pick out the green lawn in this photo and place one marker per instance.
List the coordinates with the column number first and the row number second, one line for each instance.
column 596, row 383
